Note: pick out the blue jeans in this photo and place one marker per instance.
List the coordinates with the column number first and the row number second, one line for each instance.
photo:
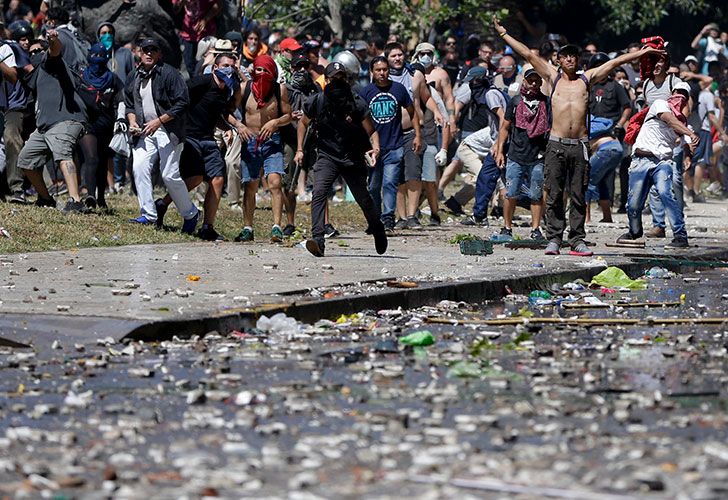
column 643, row 174
column 484, row 186
column 602, row 165
column 189, row 56
column 384, row 180
column 524, row 180
column 656, row 206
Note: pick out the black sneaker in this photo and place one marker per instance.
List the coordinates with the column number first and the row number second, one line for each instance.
column 45, row 202
column 18, row 198
column 413, row 223
column 161, row 211
column 401, row 224
column 434, row 220
column 537, row 235
column 290, row 229
column 330, row 231
column 455, row 207
column 678, row 243
column 207, row 233
column 75, row 207
column 698, row 198
column 380, row 239
column 474, row 221
column 90, row 202
column 316, row 249
column 497, row 212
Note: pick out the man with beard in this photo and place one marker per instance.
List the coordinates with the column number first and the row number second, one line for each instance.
column 566, row 166
column 212, row 98
column 265, row 109
column 664, row 124
column 343, row 141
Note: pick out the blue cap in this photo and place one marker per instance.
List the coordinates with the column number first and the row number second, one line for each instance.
column 475, row 72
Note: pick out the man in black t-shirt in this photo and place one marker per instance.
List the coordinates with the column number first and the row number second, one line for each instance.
column 526, row 122
column 211, row 100
column 344, row 131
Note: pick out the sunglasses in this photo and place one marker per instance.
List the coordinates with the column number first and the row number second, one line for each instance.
column 35, row 51
column 428, row 53
column 449, row 43
column 150, row 50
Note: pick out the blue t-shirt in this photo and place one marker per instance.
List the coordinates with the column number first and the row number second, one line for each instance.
column 385, row 108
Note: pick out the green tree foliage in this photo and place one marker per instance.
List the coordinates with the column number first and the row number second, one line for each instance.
column 623, row 15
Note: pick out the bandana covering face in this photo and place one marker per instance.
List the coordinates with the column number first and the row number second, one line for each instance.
column 676, row 103
column 262, row 87
column 531, row 112
column 97, row 72
column 227, row 75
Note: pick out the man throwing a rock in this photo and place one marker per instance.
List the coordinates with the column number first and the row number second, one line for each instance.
column 566, row 166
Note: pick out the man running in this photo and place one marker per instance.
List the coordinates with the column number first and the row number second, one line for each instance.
column 343, row 141
column 265, row 110
column 566, row 166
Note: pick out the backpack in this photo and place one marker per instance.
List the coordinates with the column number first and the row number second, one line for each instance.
column 635, row 122
column 288, row 132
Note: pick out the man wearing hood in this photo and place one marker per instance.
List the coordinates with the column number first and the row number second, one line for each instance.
column 265, row 109
column 652, row 164
column 425, row 55
column 121, row 60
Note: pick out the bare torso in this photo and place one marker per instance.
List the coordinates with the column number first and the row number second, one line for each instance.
column 569, row 106
column 256, row 117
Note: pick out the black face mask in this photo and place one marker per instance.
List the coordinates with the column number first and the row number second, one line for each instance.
column 36, row 59
column 338, row 93
column 301, row 80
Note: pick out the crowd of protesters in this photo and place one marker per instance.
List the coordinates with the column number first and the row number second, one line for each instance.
column 283, row 116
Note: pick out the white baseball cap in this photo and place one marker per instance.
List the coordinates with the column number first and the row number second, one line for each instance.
column 682, row 86
column 691, row 58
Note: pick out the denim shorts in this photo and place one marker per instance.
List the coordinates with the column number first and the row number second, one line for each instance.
column 704, row 151
column 517, row 175
column 429, row 167
column 267, row 155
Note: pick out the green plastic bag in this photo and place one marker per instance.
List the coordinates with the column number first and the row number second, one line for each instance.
column 422, row 338
column 614, row 277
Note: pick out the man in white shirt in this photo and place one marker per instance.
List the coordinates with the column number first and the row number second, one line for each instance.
column 652, row 164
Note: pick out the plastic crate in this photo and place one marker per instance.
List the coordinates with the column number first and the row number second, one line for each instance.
column 476, row 247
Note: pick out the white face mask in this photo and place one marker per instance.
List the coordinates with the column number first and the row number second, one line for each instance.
column 426, row 61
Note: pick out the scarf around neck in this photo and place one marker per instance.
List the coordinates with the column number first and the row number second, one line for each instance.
column 532, row 114
column 676, row 103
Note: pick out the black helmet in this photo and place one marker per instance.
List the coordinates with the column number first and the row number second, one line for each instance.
column 21, row 29
column 598, row 59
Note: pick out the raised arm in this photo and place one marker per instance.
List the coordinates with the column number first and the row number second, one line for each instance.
column 602, row 72
column 545, row 70
column 696, row 41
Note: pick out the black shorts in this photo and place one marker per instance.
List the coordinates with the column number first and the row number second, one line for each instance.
column 201, row 157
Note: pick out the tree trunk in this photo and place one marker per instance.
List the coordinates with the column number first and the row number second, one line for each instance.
column 334, row 18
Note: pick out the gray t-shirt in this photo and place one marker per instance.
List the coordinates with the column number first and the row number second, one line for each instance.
column 56, row 96
column 653, row 92
column 706, row 104
column 148, row 107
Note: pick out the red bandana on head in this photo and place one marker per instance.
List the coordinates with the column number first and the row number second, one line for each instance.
column 647, row 63
column 263, row 82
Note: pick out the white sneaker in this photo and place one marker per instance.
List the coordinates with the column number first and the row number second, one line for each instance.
column 714, row 188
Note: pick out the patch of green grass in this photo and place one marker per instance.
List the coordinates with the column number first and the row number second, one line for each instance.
column 455, row 240
column 34, row 229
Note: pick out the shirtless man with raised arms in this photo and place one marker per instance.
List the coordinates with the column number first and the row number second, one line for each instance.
column 566, row 165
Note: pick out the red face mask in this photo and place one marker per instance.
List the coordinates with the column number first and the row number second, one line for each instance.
column 263, row 81
column 677, row 103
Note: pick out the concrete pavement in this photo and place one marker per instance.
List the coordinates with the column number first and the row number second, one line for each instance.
column 157, row 291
